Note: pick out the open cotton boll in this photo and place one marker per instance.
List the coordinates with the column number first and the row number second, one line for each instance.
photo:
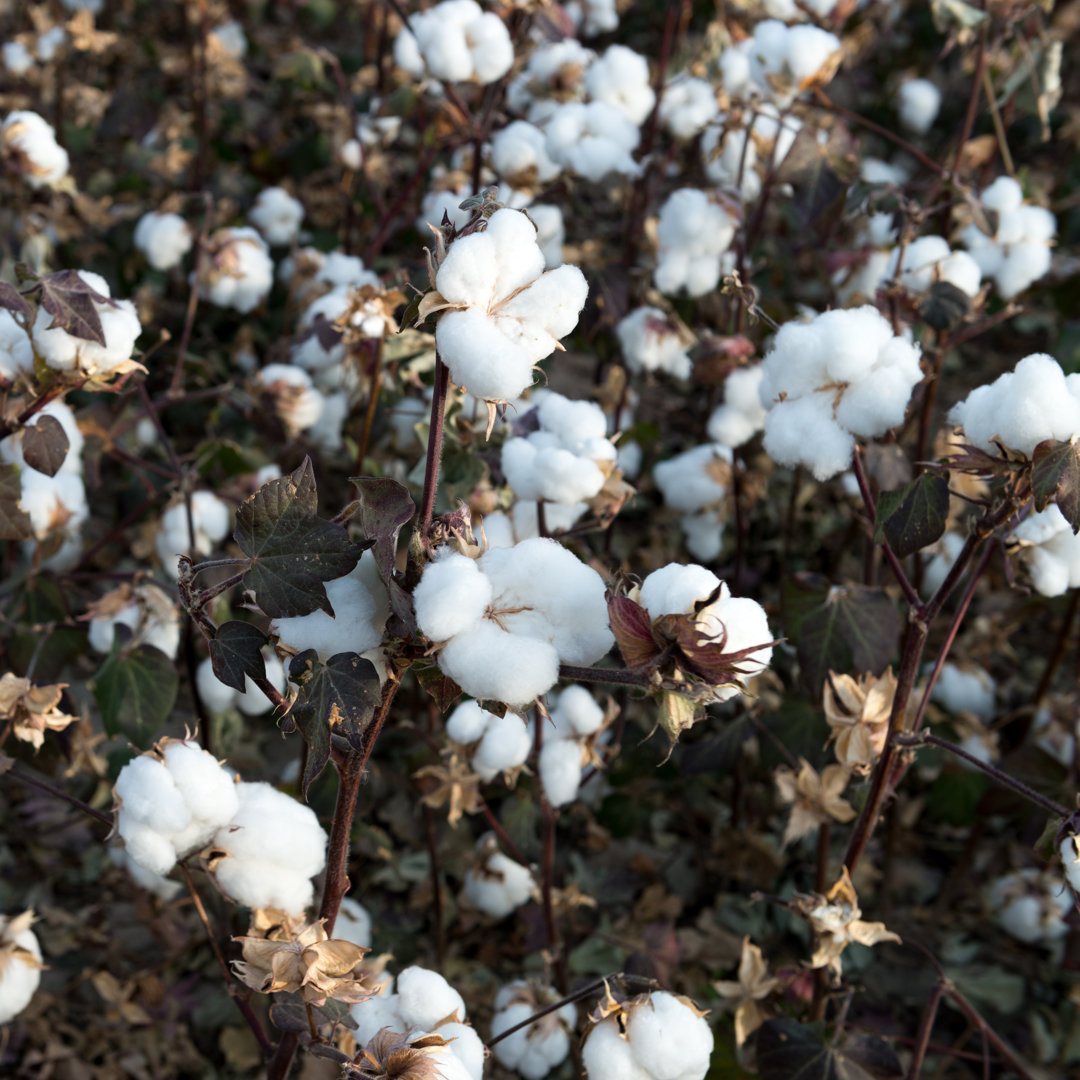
column 669, row 1039
column 504, row 745
column 592, row 140
column 592, row 17
column 65, row 352
column 742, row 415
column 29, row 146
column 919, row 104
column 230, row 39
column 553, row 74
column 560, row 767
column 146, row 792
column 693, row 234
column 451, row 596
column 929, row 259
column 55, row 504
column 16, row 350
column 695, row 478
column 968, row 689
column 606, row 1055
column 376, row 1013
column 455, row 41
column 210, row 520
column 467, row 723
column 1022, row 408
column 150, row 614
column 277, row 215
column 353, row 923
column 621, row 78
column 1032, row 905
column 296, row 401
column 650, row 341
column 1050, row 550
column 519, row 155
column 236, row 271
column 494, row 665
column 465, row 1045
column 425, row 998
column 688, row 105
column 161, row 886
column 20, row 964
column 16, row 57
column 163, row 238
column 214, row 694
column 578, row 709
column 499, row 887
column 802, row 431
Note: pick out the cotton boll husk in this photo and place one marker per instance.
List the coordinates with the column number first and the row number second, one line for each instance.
column 580, row 709
column 215, row 695
column 503, row 745
column 687, row 480
column 147, row 793
column 149, row 848
column 18, row 979
column 253, row 702
column 353, row 923
column 675, row 589
column 560, row 768
column 801, row 431
column 481, row 358
column 969, row 689
column 920, row 102
column 490, row 664
column 669, row 1040
column 425, row 998
column 608, row 1056
column 452, row 595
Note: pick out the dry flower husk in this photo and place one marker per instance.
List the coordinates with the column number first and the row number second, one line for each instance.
column 815, row 798
column 857, row 711
column 32, row 709
column 754, row 985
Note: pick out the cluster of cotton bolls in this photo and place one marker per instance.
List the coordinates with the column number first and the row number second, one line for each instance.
column 779, row 62
column 493, row 744
column 1032, row 906
column 163, row 238
column 145, row 609
column 1022, row 408
column 361, row 607
column 688, row 105
column 310, row 273
column 592, row 17
column 918, row 104
column 842, row 375
column 1017, row 250
column 57, row 504
column 657, row 1037
column 424, row 1003
column 695, row 483
column 740, row 149
column 741, row 416
column 538, row 1048
column 930, row 259
column 508, row 619
column 506, row 312
column 209, row 525
column 28, row 146
column 218, row 698
column 236, row 270
column 568, row 738
column 495, row 884
column 20, row 964
column 739, row 622
column 693, row 237
column 455, row 41
column 1050, row 551
column 64, row 351
column 277, row 215
column 651, row 341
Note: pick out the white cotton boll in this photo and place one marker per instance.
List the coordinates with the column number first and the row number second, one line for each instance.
column 518, row 258
column 742, row 624
column 16, row 350
column 1050, row 550
column 530, row 1052
column 551, row 232
column 693, row 234
column 469, row 273
column 606, row 1055
column 519, row 154
column 920, row 260
column 1023, row 919
column 675, row 589
column 297, row 403
column 451, row 597
column 259, row 883
column 920, row 102
column 566, row 478
column 237, row 271
column 50, row 43
column 492, row 665
column 965, row 690
column 353, row 923
column 467, row 723
column 277, row 215
column 802, row 432
column 53, row 503
column 1070, row 861
column 272, row 826
column 1024, row 264
column 490, row 46
column 592, row 140
column 214, row 694
column 730, row 158
column 669, row 1040
column 875, row 171
column 425, row 998
column 356, row 625
column 694, row 479
column 253, row 702
column 229, row 37
column 19, row 979
column 560, row 768
column 30, row 147
column 580, row 709
column 688, row 105
column 879, row 402
column 704, row 534
column 809, row 49
column 651, row 342
column 480, row 357
column 852, row 340
column 547, row 310
column 163, row 238
column 500, row 887
column 498, row 530
column 621, row 78
column 16, row 57
column 592, row 17
column 145, row 845
column 526, row 523
column 940, row 559
column 374, row 1014
column 147, row 793
column 154, row 883
column 742, row 415
column 101, row 631
column 504, row 745
column 208, row 789
column 467, row 1046
column 1002, row 195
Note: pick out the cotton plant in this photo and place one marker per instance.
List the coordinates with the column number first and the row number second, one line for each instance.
column 28, row 147
column 309, row 273
column 20, row 964
column 592, row 17
column 235, row 270
column 1016, row 250
column 843, row 375
column 741, row 416
column 696, row 484
column 694, row 235
column 1032, row 905
column 16, row 350
column 164, row 238
column 491, row 744
column 495, row 884
column 500, row 311
column 211, row 519
column 148, row 613
column 740, row 148
column 218, row 698
column 688, row 105
column 504, row 622
column 868, row 265
column 918, row 105
column 1049, row 551
column 541, row 1046
column 651, row 340
column 277, row 216
column 780, row 62
column 455, row 41
column 966, row 688
column 519, row 155
column 657, row 1036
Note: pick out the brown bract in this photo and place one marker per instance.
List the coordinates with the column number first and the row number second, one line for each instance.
column 754, row 985
column 815, row 798
column 453, row 785
column 394, row 1056
column 858, row 714
column 32, row 709
column 10, row 951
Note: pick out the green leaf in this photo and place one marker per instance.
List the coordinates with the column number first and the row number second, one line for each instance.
column 338, row 698
column 1055, row 477
column 135, row 691
column 292, row 550
column 45, row 445
column 235, row 653
column 955, row 795
column 440, row 688
column 838, row 627
column 224, row 458
column 15, row 522
column 913, row 517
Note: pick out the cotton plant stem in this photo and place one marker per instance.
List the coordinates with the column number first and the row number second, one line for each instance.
column 1061, row 644
column 618, row 676
column 987, row 1032
column 434, row 446
column 436, row 888
column 176, row 384
column 507, row 844
column 926, row 1026
column 17, row 771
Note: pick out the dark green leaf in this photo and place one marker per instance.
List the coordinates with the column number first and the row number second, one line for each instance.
column 790, row 1051
column 913, row 517
column 385, row 506
column 872, row 1057
column 70, row 301
column 45, row 445
column 135, row 691
column 847, row 628
column 1055, row 477
column 289, row 1014
column 955, row 795
column 235, row 653
column 292, row 550
column 718, row 753
column 223, row 457
column 441, row 688
column 15, row 522
column 336, row 698
column 13, row 301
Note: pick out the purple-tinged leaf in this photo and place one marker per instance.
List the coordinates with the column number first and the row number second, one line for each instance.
column 70, row 301
column 913, row 517
column 1055, row 477
column 45, row 445
column 11, row 299
column 235, row 653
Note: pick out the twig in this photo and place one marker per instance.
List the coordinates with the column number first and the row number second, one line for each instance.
column 434, row 445
column 926, row 1026
column 18, row 771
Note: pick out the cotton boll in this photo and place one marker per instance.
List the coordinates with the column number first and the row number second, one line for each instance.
column 593, row 140
column 29, row 145
column 296, row 401
column 669, row 1040
column 146, row 793
column 519, row 154
column 16, row 57
column 277, row 215
column 20, row 974
column 492, row 665
column 146, row 846
column 467, row 723
column 157, row 884
column 696, row 478
column 451, row 596
column 742, row 624
column 621, row 78
column 741, row 416
column 704, row 534
column 801, row 432
column 965, row 690
column 580, row 710
column 353, row 923
column 675, row 589
column 374, row 1014
column 593, row 17
column 236, row 271
column 503, row 745
column 1003, row 195
column 163, row 238
column 101, row 632
column 465, row 1045
column 606, row 1055
column 651, row 342
column 16, row 350
column 499, row 887
column 693, row 234
column 55, row 504
column 260, row 883
column 208, row 789
column 560, row 768
column 920, row 102
column 688, row 105
column 425, row 998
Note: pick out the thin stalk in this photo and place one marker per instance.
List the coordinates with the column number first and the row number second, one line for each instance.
column 19, row 773
column 1061, row 644
column 369, row 412
column 926, row 1026
column 336, row 886
column 930, row 389
column 987, row 1032
column 507, row 844
column 619, row 676
column 999, row 127
column 973, row 102
column 434, row 446
column 436, row 888
column 176, row 384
